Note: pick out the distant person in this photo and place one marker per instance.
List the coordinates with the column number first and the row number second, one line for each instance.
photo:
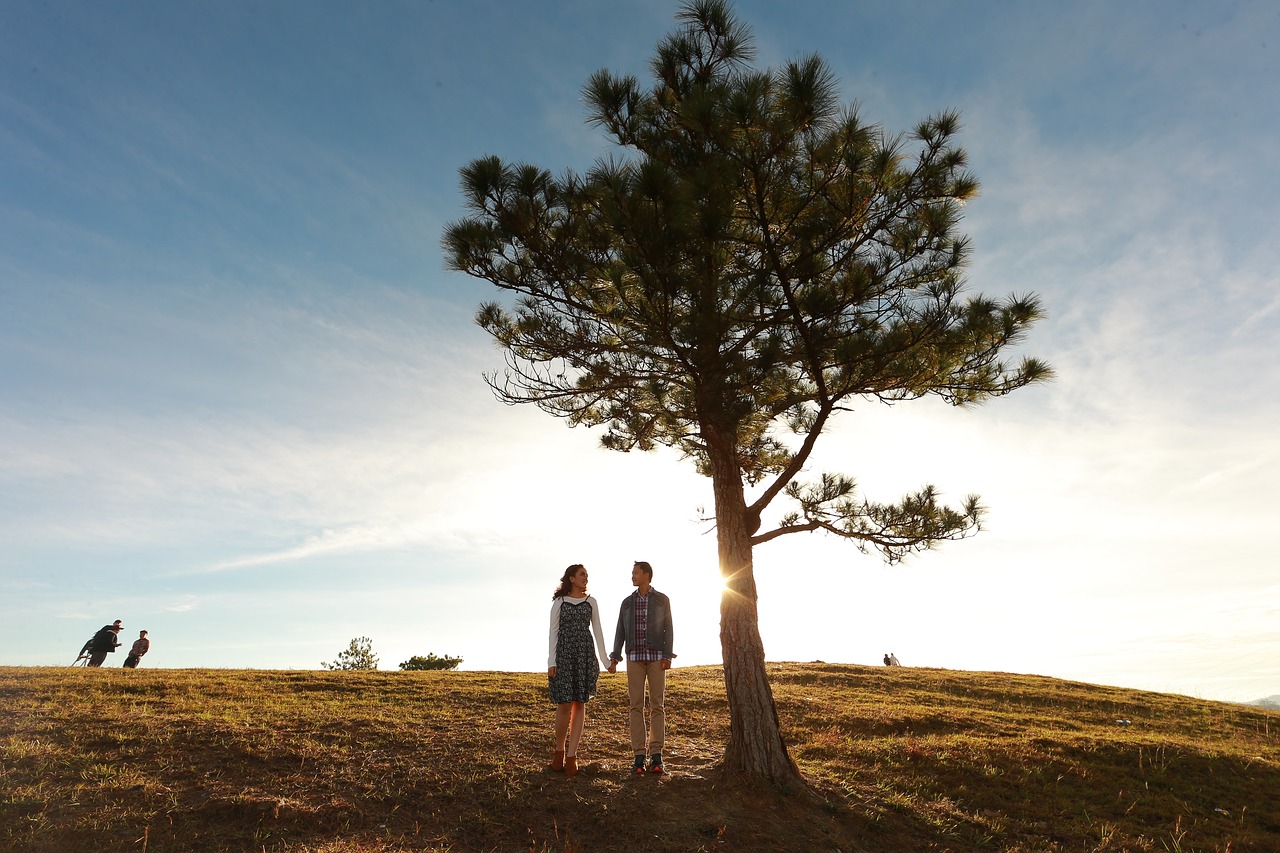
column 893, row 660
column 103, row 643
column 644, row 625
column 887, row 661
column 571, row 663
column 140, row 647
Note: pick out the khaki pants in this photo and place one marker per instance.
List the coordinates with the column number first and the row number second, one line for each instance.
column 638, row 672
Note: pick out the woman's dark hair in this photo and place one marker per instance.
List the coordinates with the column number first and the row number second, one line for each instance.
column 565, row 584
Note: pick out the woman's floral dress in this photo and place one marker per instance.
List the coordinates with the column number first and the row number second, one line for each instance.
column 576, row 669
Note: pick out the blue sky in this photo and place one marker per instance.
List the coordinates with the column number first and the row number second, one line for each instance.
column 241, row 402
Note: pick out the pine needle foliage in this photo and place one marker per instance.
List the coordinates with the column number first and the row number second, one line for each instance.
column 756, row 258
column 356, row 656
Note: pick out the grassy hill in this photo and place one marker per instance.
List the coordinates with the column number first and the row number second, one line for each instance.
column 900, row 759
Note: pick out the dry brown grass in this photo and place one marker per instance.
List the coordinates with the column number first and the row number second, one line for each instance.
column 899, row 760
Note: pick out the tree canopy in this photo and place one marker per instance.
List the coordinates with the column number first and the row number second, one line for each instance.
column 753, row 259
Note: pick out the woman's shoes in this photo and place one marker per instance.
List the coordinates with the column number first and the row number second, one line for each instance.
column 571, row 765
column 557, row 760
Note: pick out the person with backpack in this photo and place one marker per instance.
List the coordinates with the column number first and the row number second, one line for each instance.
column 104, row 642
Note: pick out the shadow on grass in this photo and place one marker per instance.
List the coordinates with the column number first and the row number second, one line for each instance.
column 898, row 761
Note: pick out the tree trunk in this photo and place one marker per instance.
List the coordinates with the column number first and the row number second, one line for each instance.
column 756, row 748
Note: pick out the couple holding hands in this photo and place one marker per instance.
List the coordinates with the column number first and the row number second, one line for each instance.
column 644, row 626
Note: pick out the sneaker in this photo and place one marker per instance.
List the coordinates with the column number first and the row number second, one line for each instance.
column 638, row 767
column 655, row 763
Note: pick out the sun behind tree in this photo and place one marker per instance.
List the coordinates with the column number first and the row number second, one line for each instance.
column 754, row 260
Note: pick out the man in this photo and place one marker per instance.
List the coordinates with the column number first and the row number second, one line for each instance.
column 103, row 643
column 644, row 624
column 140, row 647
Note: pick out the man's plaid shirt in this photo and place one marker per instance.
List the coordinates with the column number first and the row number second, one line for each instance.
column 640, row 652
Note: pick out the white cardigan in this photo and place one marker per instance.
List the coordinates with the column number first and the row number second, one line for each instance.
column 595, row 627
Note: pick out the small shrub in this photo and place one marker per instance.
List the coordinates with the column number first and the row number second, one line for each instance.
column 418, row 662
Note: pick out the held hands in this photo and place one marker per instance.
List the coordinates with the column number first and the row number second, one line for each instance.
column 613, row 665
column 551, row 672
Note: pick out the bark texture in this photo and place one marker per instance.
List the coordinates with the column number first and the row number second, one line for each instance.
column 756, row 748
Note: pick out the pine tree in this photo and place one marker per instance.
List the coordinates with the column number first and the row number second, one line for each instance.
column 753, row 260
column 357, row 656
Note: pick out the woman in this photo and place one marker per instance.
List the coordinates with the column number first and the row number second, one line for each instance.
column 571, row 663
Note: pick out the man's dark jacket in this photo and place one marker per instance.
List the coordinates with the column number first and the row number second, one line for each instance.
column 658, row 631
